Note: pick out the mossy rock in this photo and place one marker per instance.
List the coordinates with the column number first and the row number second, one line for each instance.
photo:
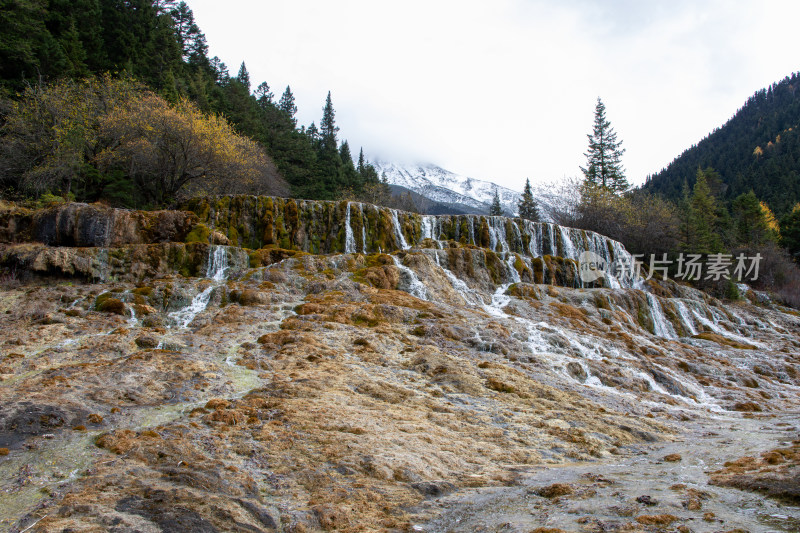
column 199, row 233
column 111, row 305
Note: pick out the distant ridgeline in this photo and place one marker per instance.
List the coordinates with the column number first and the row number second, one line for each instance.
column 274, row 228
column 758, row 149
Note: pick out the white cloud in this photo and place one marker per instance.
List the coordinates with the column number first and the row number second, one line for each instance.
column 506, row 90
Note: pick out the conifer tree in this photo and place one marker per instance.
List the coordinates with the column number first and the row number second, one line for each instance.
column 287, row 105
column 496, row 209
column 528, row 210
column 313, row 133
column 703, row 219
column 360, row 167
column 351, row 177
column 603, row 159
column 790, row 232
column 243, row 77
column 328, row 128
column 263, row 94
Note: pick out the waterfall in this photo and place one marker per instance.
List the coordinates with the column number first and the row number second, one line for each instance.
column 566, row 243
column 686, row 317
column 401, row 240
column 471, row 227
column 363, row 228
column 415, row 287
column 426, row 227
column 217, row 264
column 510, row 260
column 499, row 233
column 661, row 327
column 551, row 233
column 217, row 267
column 349, row 238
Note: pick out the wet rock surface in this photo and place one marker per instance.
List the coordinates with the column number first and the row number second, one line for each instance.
column 431, row 389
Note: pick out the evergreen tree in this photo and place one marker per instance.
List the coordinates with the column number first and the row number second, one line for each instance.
column 263, row 94
column 703, row 219
column 313, row 133
column 286, row 104
column 360, row 167
column 496, row 209
column 604, row 166
column 528, row 210
column 685, row 218
column 790, row 232
column 352, row 179
column 754, row 223
column 328, row 128
column 243, row 77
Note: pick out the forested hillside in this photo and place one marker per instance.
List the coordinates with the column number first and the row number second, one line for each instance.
column 758, row 149
column 158, row 44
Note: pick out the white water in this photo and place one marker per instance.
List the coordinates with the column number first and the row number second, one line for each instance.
column 363, row 228
column 216, row 271
column 686, row 317
column 661, row 326
column 349, row 238
column 415, row 287
column 401, row 240
column 566, row 242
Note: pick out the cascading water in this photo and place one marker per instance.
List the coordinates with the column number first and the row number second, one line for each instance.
column 216, row 271
column 686, row 318
column 551, row 234
column 661, row 327
column 401, row 240
column 566, row 243
column 415, row 287
column 349, row 238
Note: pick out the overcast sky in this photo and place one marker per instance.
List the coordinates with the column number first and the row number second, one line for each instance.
column 505, row 89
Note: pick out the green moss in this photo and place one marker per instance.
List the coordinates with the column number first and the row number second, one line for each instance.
column 374, row 260
column 538, row 269
column 364, row 320
column 463, row 231
column 111, row 305
column 199, row 233
column 98, row 302
column 484, row 238
column 493, row 265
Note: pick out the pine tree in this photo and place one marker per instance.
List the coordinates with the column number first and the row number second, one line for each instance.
column 528, row 210
column 328, row 128
column 754, row 223
column 263, row 94
column 361, row 161
column 313, row 133
column 790, row 232
column 604, row 168
column 351, row 177
column 496, row 210
column 286, row 104
column 703, row 219
column 244, row 77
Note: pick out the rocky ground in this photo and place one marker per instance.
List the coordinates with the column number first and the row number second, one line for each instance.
column 318, row 394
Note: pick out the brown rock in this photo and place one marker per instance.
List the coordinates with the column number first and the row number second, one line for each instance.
column 656, row 519
column 554, row 490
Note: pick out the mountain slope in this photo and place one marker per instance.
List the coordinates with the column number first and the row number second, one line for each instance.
column 460, row 193
column 758, row 149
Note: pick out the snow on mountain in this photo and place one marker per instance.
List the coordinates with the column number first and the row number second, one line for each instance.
column 473, row 195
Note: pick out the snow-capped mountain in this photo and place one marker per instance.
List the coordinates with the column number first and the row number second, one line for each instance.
column 468, row 194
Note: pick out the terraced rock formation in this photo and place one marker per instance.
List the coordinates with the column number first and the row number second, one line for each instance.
column 272, row 365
